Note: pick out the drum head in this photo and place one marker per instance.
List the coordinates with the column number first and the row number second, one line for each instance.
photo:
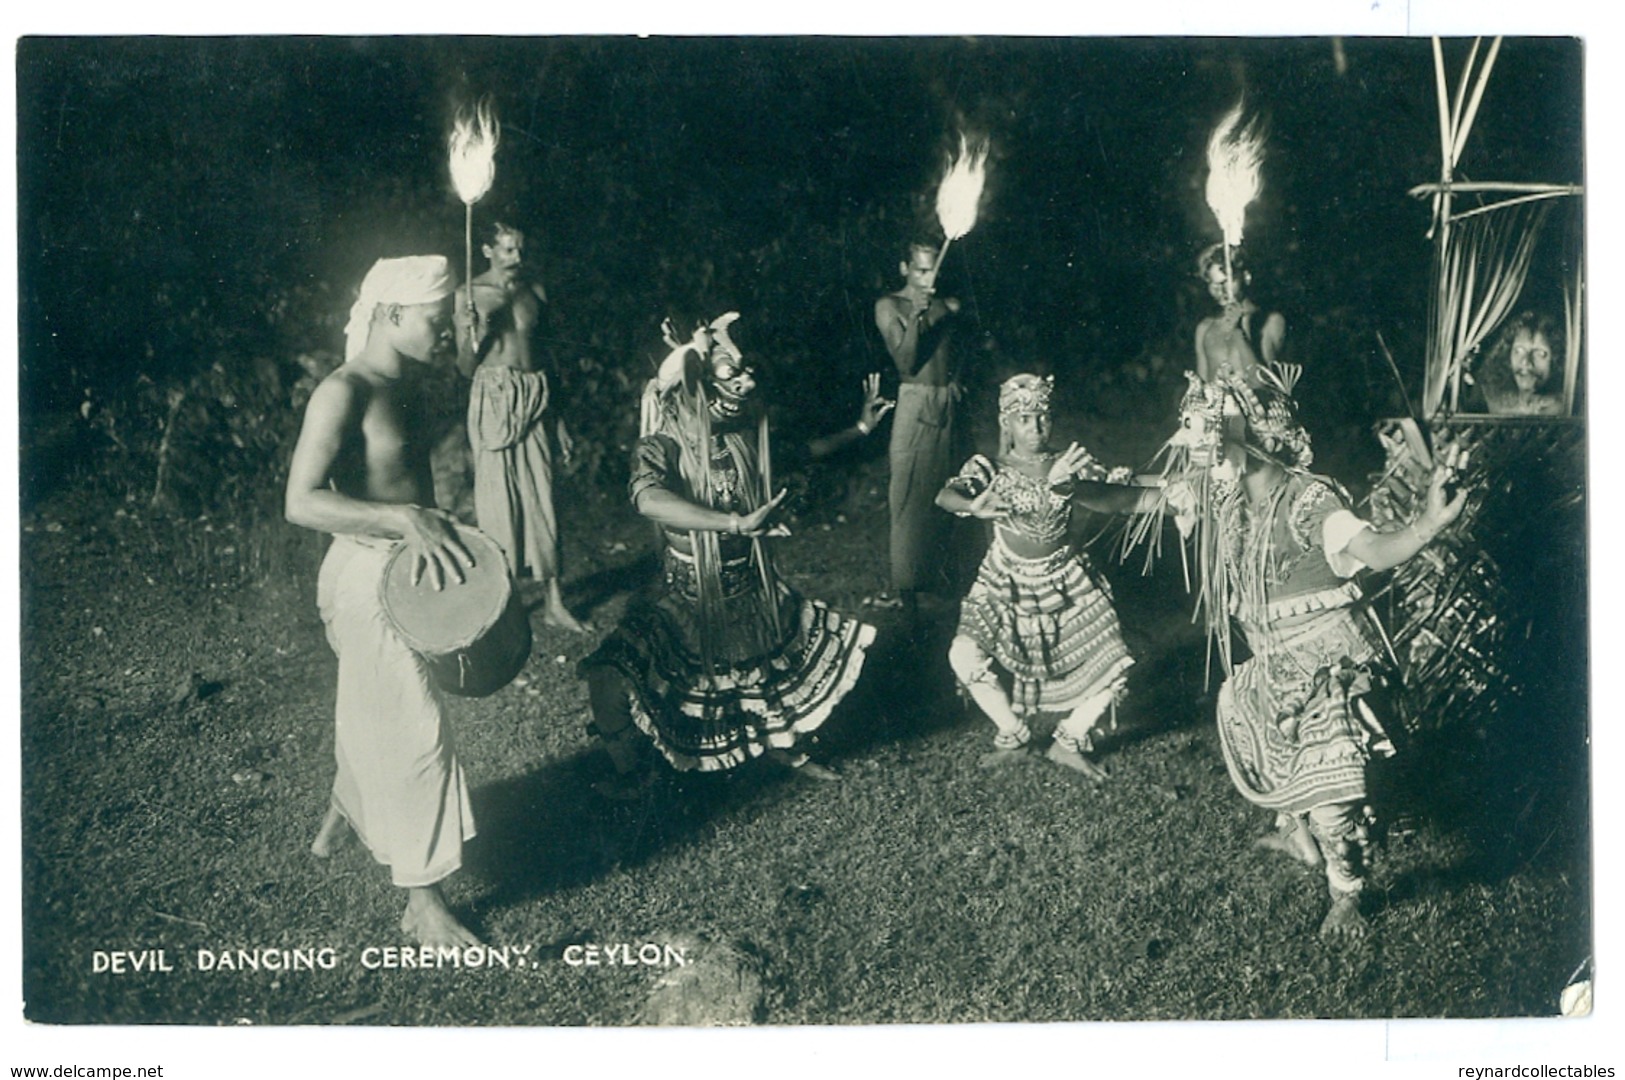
column 440, row 621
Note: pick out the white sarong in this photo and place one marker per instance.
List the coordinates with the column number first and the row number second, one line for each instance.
column 399, row 783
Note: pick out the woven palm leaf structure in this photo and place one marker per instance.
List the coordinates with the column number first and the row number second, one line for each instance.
column 1491, row 616
column 1490, row 620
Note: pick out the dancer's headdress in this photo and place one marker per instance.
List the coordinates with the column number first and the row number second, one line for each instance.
column 1025, row 394
column 685, row 368
column 1263, row 417
column 1271, row 415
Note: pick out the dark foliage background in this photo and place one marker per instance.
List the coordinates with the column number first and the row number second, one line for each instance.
column 195, row 215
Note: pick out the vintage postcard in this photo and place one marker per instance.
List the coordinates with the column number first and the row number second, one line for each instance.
column 905, row 533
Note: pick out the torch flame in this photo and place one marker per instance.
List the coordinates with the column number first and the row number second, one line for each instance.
column 1233, row 156
column 961, row 189
column 474, row 138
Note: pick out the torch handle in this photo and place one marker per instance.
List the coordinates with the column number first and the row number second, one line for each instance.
column 468, row 276
column 942, row 253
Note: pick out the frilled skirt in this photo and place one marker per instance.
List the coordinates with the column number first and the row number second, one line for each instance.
column 1298, row 721
column 771, row 682
column 1047, row 623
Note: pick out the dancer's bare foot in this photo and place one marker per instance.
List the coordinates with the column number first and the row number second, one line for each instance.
column 803, row 766
column 1344, row 921
column 428, row 919
column 327, row 834
column 998, row 758
column 1291, row 837
column 814, row 771
column 1070, row 759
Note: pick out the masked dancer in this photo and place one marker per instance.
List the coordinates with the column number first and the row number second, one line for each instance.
column 1278, row 548
column 727, row 662
column 1036, row 612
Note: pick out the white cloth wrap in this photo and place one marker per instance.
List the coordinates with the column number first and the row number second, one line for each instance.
column 414, row 279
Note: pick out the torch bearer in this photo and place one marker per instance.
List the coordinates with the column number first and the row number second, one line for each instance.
column 959, row 192
column 1234, row 153
column 474, row 138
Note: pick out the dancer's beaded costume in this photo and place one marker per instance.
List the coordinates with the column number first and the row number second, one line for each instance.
column 725, row 661
column 1046, row 621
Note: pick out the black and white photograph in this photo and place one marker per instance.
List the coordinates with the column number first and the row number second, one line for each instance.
column 918, row 532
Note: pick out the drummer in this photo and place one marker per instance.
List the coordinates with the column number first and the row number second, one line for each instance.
column 359, row 473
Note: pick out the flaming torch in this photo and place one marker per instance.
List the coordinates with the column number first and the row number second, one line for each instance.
column 959, row 192
column 474, row 138
column 1234, row 153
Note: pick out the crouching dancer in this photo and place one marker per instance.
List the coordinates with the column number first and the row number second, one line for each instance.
column 1035, row 610
column 361, row 471
column 1297, row 721
column 727, row 662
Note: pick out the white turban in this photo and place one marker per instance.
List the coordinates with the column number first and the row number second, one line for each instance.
column 415, row 279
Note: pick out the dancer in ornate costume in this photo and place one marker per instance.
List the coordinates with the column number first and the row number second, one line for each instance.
column 1277, row 551
column 1035, row 610
column 728, row 662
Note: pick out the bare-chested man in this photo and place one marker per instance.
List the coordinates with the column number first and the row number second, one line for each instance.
column 508, row 417
column 361, row 472
column 1241, row 336
column 917, row 327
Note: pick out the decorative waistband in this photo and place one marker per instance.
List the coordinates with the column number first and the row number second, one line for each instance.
column 683, row 573
column 1339, row 596
column 1044, row 564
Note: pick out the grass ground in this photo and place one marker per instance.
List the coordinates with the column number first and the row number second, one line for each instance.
column 177, row 753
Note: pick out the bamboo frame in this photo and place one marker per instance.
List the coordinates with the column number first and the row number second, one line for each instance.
column 1495, row 185
column 1455, row 323
column 1574, row 324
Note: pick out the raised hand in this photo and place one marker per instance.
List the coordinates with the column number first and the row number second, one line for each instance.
column 874, row 406
column 1069, row 466
column 1441, row 510
column 758, row 521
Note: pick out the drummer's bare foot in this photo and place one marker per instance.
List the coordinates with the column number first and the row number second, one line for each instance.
column 1068, row 758
column 1291, row 837
column 328, row 834
column 554, row 613
column 998, row 758
column 429, row 920
column 1344, row 921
